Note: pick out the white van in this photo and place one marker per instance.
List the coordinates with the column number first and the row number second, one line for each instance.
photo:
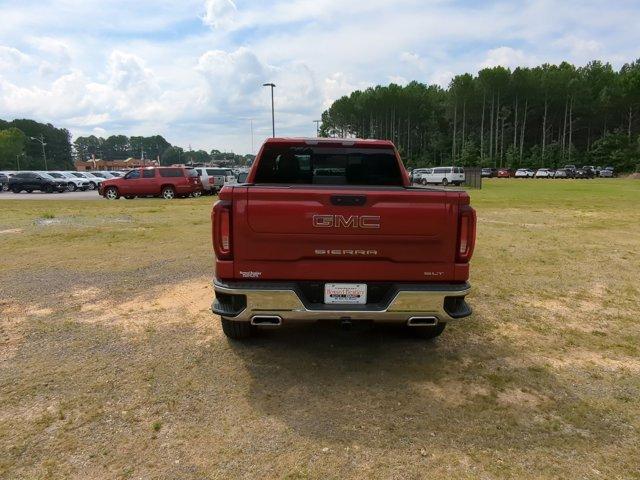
column 443, row 175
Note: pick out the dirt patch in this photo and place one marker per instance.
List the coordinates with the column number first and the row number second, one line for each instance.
column 519, row 398
column 11, row 231
column 587, row 359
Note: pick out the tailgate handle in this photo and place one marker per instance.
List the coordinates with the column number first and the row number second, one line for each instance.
column 348, row 200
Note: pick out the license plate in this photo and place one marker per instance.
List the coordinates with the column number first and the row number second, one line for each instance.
column 345, row 293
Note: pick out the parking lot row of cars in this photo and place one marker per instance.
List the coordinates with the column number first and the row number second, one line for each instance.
column 149, row 181
column 569, row 171
column 53, row 181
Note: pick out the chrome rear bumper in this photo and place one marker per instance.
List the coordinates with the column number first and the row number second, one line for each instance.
column 242, row 301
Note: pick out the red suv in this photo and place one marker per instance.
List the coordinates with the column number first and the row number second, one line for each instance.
column 165, row 182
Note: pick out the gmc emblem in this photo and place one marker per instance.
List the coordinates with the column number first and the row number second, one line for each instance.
column 353, row 221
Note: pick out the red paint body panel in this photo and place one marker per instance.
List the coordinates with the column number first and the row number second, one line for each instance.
column 296, row 232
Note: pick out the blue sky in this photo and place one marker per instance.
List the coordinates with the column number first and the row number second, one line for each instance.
column 192, row 70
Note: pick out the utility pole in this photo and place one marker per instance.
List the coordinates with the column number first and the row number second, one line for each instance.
column 251, row 123
column 317, row 122
column 43, row 143
column 273, row 121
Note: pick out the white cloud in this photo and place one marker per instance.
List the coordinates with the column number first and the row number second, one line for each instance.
column 507, row 57
column 193, row 70
column 219, row 13
column 580, row 48
column 12, row 58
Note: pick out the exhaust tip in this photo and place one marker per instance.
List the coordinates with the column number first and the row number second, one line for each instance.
column 266, row 320
column 422, row 322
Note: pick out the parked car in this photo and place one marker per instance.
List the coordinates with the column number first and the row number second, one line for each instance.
column 443, row 175
column 103, row 174
column 416, row 174
column 543, row 173
column 505, row 173
column 607, row 172
column 94, row 182
column 582, row 173
column 73, row 183
column 591, row 171
column 524, row 173
column 165, row 182
column 116, row 174
column 489, row 172
column 213, row 178
column 561, row 173
column 31, row 181
column 338, row 240
column 4, row 182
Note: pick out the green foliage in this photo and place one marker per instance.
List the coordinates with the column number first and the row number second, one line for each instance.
column 57, row 148
column 615, row 149
column 549, row 115
column 12, row 142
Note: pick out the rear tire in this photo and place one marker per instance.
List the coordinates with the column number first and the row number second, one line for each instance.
column 445, row 182
column 426, row 333
column 92, row 186
column 237, row 330
column 16, row 190
column 72, row 187
column 168, row 193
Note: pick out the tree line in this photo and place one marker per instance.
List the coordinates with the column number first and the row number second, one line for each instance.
column 545, row 116
column 119, row 147
column 21, row 148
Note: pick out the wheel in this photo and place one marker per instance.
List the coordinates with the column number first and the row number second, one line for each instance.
column 16, row 190
column 168, row 193
column 423, row 181
column 426, row 333
column 72, row 187
column 5, row 187
column 237, row 330
column 445, row 182
column 196, row 194
column 111, row 193
column 129, row 197
column 92, row 186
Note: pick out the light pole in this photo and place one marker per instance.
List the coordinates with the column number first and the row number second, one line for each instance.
column 43, row 143
column 273, row 121
column 251, row 123
column 317, row 122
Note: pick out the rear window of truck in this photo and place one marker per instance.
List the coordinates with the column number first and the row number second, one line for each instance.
column 328, row 166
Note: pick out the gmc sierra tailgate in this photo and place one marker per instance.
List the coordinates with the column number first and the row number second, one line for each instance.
column 344, row 233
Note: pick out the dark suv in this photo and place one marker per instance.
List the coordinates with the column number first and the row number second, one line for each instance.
column 4, row 182
column 165, row 182
column 30, row 181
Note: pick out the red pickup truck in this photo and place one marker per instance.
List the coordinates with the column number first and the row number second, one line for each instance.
column 331, row 229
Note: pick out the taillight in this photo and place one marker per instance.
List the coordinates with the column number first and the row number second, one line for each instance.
column 222, row 230
column 466, row 234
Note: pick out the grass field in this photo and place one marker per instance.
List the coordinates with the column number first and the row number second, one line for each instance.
column 112, row 366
